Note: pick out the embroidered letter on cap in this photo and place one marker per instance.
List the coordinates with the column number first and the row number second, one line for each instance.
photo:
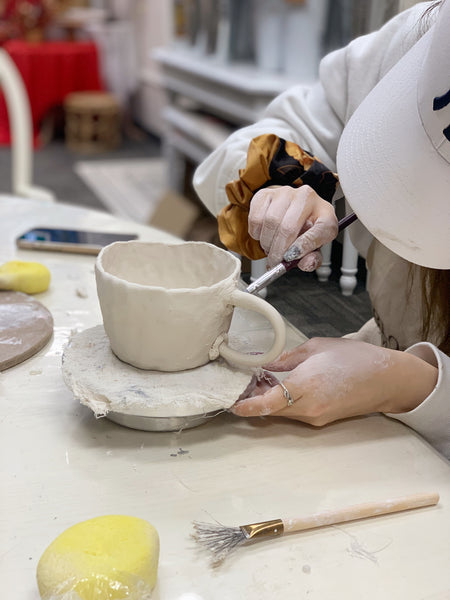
column 441, row 102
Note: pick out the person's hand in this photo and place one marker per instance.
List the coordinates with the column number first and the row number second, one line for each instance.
column 282, row 216
column 332, row 379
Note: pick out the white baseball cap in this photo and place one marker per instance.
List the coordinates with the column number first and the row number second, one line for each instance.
column 393, row 158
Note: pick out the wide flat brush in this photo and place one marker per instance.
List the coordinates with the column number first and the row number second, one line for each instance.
column 220, row 540
column 286, row 265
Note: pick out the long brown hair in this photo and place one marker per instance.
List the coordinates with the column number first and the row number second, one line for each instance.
column 435, row 286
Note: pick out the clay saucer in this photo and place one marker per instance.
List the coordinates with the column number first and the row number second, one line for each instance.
column 147, row 400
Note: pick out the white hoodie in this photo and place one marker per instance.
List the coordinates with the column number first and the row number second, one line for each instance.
column 314, row 117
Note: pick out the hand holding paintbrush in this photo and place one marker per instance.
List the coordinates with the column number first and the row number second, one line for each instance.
column 220, row 540
column 290, row 261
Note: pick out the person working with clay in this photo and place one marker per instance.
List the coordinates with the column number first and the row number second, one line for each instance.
column 380, row 117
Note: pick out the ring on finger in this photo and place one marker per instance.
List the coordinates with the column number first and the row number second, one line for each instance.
column 287, row 394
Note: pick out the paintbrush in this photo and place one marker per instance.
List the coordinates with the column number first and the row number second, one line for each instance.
column 220, row 540
column 286, row 265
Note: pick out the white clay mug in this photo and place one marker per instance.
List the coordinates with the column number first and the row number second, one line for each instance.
column 168, row 307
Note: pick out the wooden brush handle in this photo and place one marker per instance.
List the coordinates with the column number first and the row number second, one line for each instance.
column 360, row 511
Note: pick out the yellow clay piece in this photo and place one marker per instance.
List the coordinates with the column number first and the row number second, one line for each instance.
column 27, row 277
column 113, row 557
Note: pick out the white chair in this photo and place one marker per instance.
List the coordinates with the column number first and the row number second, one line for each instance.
column 19, row 115
column 349, row 266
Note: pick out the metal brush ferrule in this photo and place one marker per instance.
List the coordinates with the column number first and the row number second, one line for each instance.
column 264, row 529
column 267, row 278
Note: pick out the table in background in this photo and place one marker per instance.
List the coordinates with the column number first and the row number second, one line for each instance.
column 60, row 466
column 50, row 71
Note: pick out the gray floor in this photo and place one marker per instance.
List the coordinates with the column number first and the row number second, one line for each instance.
column 317, row 309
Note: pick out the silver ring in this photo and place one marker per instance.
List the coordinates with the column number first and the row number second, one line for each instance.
column 287, row 394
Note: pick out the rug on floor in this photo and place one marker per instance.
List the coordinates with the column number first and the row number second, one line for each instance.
column 130, row 189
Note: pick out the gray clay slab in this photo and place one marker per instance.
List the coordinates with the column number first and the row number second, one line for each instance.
column 25, row 327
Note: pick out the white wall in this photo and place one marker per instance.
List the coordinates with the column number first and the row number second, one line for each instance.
column 153, row 22
column 404, row 4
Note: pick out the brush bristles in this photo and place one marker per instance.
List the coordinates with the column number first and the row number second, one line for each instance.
column 218, row 540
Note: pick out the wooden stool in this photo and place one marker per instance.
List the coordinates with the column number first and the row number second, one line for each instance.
column 92, row 122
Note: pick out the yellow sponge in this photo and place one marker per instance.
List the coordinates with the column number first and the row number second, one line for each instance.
column 113, row 557
column 27, row 277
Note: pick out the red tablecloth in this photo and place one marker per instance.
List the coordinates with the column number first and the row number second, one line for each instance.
column 50, row 71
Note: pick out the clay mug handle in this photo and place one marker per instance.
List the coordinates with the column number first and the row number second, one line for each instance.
column 250, row 302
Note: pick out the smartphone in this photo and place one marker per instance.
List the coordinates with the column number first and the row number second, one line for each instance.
column 70, row 240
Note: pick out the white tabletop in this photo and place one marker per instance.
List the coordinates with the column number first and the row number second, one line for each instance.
column 61, row 466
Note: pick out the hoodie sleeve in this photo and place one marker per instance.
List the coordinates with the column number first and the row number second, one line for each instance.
column 432, row 417
column 271, row 161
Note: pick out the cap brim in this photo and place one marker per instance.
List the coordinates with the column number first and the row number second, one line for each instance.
column 391, row 174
